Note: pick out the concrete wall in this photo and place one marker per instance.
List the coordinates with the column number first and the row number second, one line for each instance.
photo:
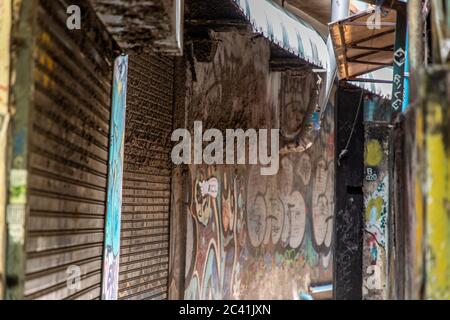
column 259, row 236
column 144, row 25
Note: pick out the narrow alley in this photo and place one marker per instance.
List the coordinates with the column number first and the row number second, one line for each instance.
column 224, row 150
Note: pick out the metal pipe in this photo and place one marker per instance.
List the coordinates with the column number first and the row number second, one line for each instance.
column 339, row 10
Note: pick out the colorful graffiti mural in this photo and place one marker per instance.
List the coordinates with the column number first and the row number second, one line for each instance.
column 376, row 203
column 114, row 195
column 262, row 237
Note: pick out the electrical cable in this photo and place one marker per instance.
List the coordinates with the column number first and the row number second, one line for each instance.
column 345, row 150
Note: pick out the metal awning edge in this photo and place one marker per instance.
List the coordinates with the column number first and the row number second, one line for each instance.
column 286, row 31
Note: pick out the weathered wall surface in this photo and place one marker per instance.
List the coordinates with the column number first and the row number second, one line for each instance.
column 421, row 193
column 144, row 252
column 258, row 236
column 406, row 275
column 436, row 178
column 143, row 25
column 349, row 193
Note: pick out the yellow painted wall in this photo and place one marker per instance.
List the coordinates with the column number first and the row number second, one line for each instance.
column 5, row 30
column 437, row 199
column 419, row 207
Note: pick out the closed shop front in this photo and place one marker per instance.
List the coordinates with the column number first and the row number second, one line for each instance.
column 68, row 154
column 144, row 255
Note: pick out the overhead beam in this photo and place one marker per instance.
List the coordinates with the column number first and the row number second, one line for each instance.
column 388, row 48
column 378, row 35
column 364, row 24
column 371, row 51
column 374, row 63
column 370, row 80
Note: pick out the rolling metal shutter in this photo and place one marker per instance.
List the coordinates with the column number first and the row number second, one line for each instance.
column 144, row 255
column 68, row 155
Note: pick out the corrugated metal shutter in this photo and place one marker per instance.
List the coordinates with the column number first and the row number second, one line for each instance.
column 144, row 256
column 68, row 156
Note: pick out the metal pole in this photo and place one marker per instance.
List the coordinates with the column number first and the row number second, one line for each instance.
column 339, row 10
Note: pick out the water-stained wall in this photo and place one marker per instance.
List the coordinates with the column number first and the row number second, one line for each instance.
column 250, row 236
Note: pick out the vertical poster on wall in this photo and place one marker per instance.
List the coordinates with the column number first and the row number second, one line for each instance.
column 110, row 279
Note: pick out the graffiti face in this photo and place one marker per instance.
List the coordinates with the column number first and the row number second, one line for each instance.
column 256, row 221
column 322, row 211
column 304, row 168
column 322, row 221
column 296, row 215
column 202, row 204
column 276, row 215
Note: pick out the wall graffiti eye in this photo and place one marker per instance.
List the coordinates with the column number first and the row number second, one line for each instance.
column 256, row 221
column 296, row 209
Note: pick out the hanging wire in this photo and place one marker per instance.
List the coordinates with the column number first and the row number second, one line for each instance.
column 345, row 150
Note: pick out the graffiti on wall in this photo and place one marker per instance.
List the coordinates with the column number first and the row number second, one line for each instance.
column 262, row 237
column 376, row 214
column 115, row 170
column 251, row 236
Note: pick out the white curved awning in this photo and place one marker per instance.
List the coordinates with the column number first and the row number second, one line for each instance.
column 286, row 30
column 301, row 39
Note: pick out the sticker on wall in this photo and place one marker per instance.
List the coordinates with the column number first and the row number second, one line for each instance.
column 115, row 171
